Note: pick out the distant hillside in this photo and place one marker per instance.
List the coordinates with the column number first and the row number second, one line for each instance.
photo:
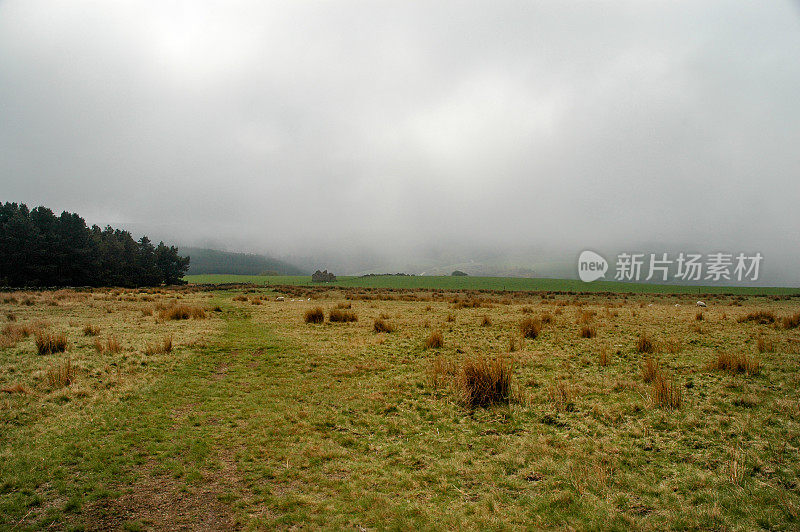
column 205, row 261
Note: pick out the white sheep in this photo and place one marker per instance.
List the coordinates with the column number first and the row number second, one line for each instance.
column 701, row 304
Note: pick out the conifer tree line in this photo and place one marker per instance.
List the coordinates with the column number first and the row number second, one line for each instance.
column 38, row 248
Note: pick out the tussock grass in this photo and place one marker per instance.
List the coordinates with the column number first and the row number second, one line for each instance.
column 735, row 363
column 314, row 315
column 182, row 312
column 791, row 322
column 110, row 346
column 159, row 348
column 435, row 340
column 442, row 371
column 666, row 393
column 61, row 374
column 486, row 321
column 699, row 316
column 763, row 317
column 342, row 316
column 49, row 343
column 381, row 325
column 587, row 331
column 91, row 330
column 644, row 344
column 764, row 345
column 561, row 395
column 603, row 358
column 530, row 328
column 650, row 369
column 484, row 381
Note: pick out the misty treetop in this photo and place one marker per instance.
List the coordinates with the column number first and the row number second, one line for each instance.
column 38, row 248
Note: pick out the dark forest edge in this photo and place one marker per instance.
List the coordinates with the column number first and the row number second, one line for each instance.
column 38, row 248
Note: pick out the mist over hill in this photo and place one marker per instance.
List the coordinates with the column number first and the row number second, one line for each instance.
column 214, row 261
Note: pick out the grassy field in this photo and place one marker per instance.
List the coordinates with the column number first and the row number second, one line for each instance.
column 488, row 283
column 635, row 411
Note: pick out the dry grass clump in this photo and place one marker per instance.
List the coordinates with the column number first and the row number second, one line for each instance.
column 13, row 333
column 47, row 343
column 585, row 317
column 381, row 325
column 159, row 348
column 486, row 321
column 182, row 312
column 91, row 330
column 560, row 394
column 763, row 317
column 240, row 297
column 791, row 322
column 443, row 371
column 61, row 375
column 666, row 393
column 512, row 343
column 451, row 318
column 765, row 345
column 650, row 370
column 737, row 363
column 14, row 388
column 435, row 340
column 645, row 344
column 341, row 315
column 546, row 318
column 587, row 331
column 484, row 381
column 699, row 316
column 530, row 328
column 314, row 315
column 603, row 358
column 10, row 316
column 111, row 345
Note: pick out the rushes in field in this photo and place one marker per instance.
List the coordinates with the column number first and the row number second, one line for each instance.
column 159, row 348
column 650, row 370
column 435, row 340
column 484, row 381
column 381, row 325
column 764, row 317
column 182, row 312
column 486, row 321
column 47, row 343
column 560, row 394
column 587, row 331
column 110, row 345
column 314, row 315
column 737, row 363
column 603, row 358
column 61, row 375
column 644, row 344
column 91, row 330
column 764, row 345
column 341, row 315
column 791, row 322
column 666, row 393
column 530, row 328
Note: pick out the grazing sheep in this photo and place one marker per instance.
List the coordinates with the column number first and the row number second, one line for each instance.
column 280, row 298
column 701, row 304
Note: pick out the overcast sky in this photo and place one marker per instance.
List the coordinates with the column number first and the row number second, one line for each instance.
column 399, row 126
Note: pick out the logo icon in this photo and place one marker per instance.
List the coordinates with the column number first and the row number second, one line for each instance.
column 591, row 266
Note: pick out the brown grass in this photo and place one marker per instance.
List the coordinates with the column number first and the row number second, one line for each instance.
column 381, row 325
column 530, row 327
column 791, row 322
column 314, row 315
column 666, row 393
column 61, row 375
column 650, row 370
column 159, row 348
column 182, row 312
column 764, row 317
column 435, row 340
column 443, row 371
column 91, row 330
column 737, row 363
column 484, row 381
column 560, row 394
column 698, row 316
column 110, row 345
column 603, row 358
column 486, row 321
column 644, row 344
column 764, row 345
column 47, row 343
column 14, row 388
column 587, row 331
column 10, row 316
column 341, row 315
